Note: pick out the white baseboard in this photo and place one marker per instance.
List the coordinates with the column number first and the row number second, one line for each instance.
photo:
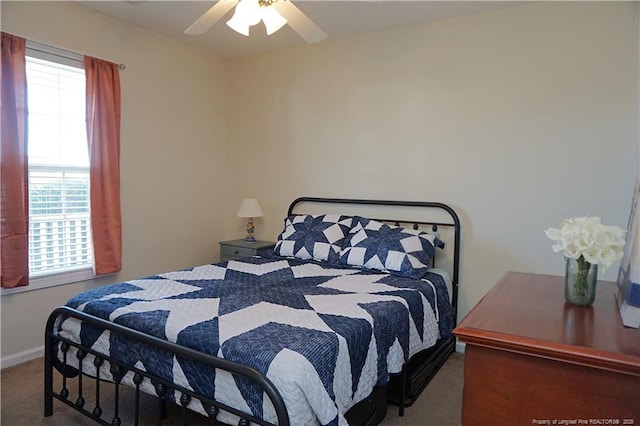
column 460, row 346
column 20, row 357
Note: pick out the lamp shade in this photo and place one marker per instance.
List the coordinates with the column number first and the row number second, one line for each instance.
column 249, row 10
column 247, row 13
column 250, row 208
column 238, row 26
column 273, row 21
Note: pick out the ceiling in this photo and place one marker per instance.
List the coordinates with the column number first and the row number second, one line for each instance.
column 337, row 18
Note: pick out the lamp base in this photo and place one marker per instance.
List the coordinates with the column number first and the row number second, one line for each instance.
column 250, row 228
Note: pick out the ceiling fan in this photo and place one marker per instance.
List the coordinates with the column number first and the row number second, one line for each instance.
column 274, row 13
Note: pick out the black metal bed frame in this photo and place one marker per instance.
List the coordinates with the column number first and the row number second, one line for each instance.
column 404, row 388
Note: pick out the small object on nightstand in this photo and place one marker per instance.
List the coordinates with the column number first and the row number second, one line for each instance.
column 238, row 249
column 250, row 208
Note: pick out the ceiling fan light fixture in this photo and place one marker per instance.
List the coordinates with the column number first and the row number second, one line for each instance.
column 239, row 26
column 274, row 13
column 247, row 13
column 273, row 21
column 250, row 10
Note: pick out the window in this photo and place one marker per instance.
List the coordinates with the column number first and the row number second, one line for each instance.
column 60, row 247
column 59, row 221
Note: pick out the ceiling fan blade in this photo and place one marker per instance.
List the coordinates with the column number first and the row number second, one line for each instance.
column 300, row 23
column 210, row 17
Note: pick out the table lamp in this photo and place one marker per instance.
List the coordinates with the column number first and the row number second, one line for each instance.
column 250, row 208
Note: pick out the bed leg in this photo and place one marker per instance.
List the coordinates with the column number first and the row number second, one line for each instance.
column 163, row 409
column 48, row 368
column 48, row 385
column 403, row 391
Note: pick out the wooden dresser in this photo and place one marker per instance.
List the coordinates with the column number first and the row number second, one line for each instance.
column 530, row 358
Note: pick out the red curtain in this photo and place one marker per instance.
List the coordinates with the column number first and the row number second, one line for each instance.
column 14, row 186
column 103, row 135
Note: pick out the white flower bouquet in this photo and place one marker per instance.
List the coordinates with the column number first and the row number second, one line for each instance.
column 590, row 243
column 587, row 237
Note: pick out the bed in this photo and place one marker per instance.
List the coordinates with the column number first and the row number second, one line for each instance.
column 350, row 312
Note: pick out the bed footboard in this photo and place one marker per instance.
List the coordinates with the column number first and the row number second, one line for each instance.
column 118, row 370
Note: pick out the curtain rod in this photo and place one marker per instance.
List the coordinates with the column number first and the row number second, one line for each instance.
column 64, row 53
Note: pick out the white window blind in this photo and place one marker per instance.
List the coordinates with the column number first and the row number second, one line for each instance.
column 59, row 221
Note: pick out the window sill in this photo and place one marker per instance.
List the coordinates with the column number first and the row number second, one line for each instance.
column 39, row 283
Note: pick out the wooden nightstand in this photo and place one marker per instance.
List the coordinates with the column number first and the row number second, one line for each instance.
column 237, row 249
column 531, row 358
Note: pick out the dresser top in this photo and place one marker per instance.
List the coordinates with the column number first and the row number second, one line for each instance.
column 527, row 313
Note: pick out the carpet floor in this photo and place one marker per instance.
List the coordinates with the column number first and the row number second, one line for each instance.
column 22, row 401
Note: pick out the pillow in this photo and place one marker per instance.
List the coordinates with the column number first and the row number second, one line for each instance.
column 398, row 251
column 313, row 237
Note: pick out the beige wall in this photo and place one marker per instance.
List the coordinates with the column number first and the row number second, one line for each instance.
column 173, row 158
column 517, row 118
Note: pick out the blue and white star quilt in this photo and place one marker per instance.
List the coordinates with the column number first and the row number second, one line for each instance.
column 325, row 336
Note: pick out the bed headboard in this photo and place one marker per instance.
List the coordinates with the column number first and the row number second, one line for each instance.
column 438, row 216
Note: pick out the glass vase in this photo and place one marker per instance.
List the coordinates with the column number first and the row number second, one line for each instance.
column 580, row 282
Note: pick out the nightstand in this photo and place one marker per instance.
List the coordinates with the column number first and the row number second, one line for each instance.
column 237, row 249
